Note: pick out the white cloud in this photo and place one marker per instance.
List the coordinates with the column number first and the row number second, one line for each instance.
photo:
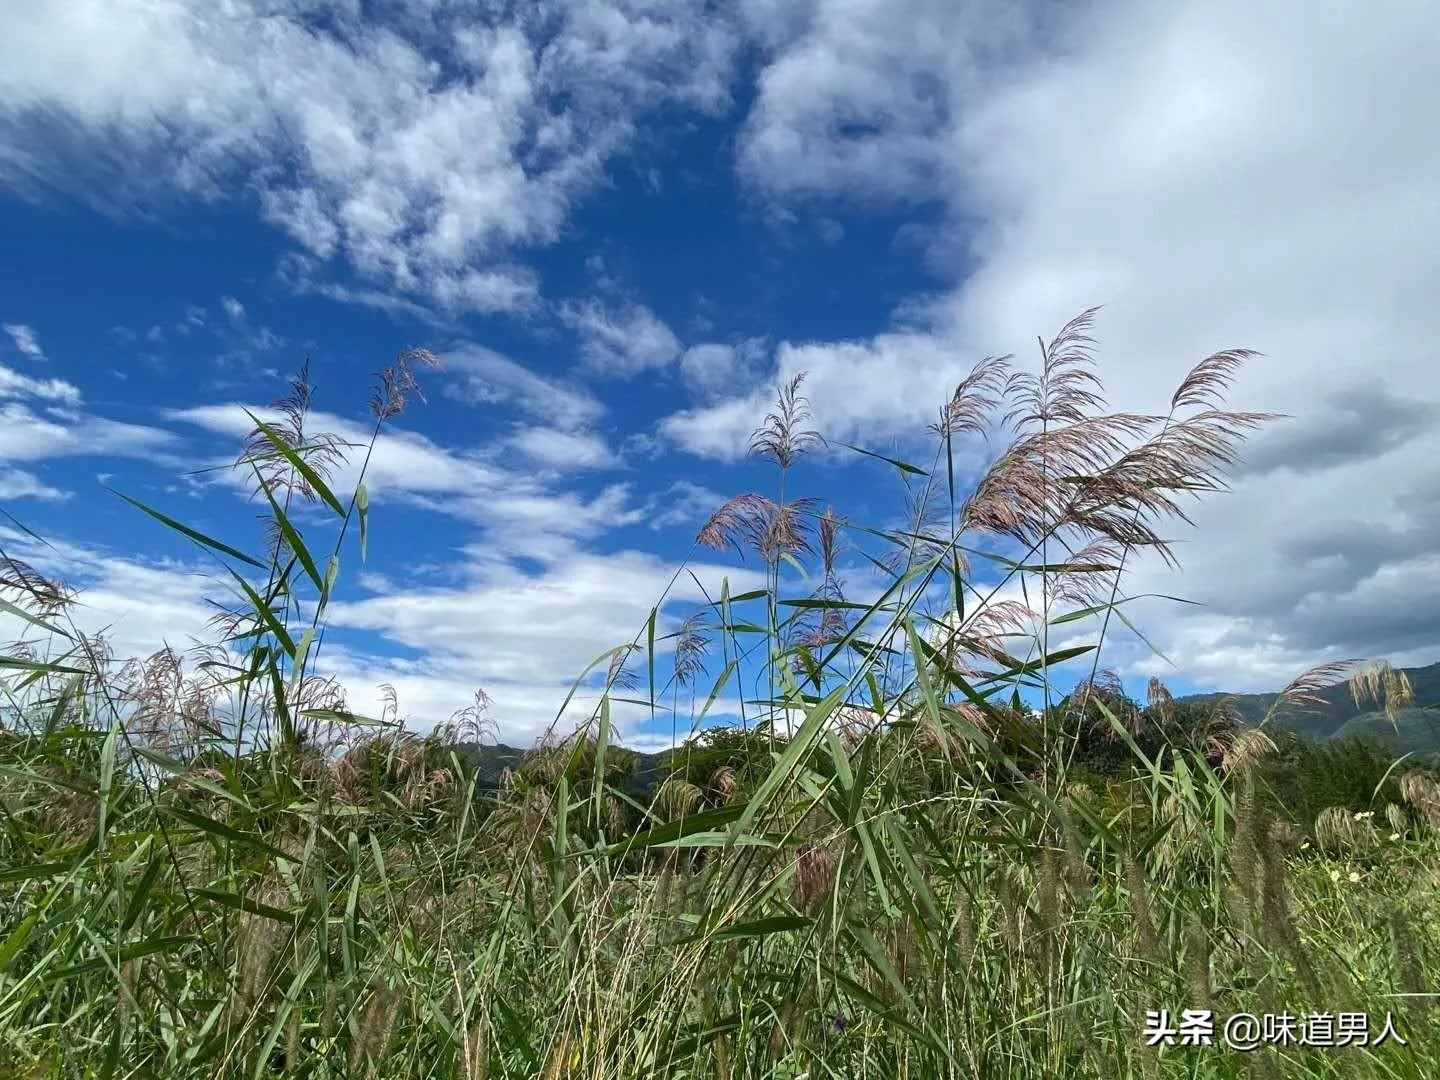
column 14, row 385
column 563, row 449
column 685, row 504
column 25, row 340
column 141, row 606
column 523, row 637
column 521, row 511
column 1217, row 174
column 889, row 386
column 859, row 96
column 404, row 462
column 712, row 369
column 541, row 524
column 485, row 376
column 512, row 288
column 299, row 274
column 421, row 175
column 40, row 418
column 243, row 336
column 19, row 484
column 624, row 340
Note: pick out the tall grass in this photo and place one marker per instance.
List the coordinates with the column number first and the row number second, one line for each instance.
column 894, row 867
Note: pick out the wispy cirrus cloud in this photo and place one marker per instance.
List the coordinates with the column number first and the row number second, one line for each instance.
column 25, row 340
column 621, row 339
column 43, row 418
column 15, row 385
column 19, row 484
column 519, row 509
column 479, row 375
column 563, row 449
column 30, row 435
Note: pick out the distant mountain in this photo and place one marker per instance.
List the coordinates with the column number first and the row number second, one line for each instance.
column 1415, row 731
column 1337, row 715
column 492, row 759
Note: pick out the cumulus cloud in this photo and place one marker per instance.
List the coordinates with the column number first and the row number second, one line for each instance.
column 1218, row 175
column 141, row 606
column 686, row 504
column 527, row 628
column 526, row 638
column 888, row 386
column 419, row 151
column 1351, row 425
column 858, row 95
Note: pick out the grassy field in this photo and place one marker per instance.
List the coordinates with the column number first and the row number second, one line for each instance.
column 894, row 868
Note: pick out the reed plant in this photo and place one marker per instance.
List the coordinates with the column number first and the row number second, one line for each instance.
column 894, row 867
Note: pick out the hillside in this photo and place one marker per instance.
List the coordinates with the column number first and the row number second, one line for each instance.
column 1339, row 716
column 1417, row 729
column 492, row 759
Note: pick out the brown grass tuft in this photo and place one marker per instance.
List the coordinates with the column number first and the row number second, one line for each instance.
column 322, row 451
column 692, row 644
column 47, row 596
column 760, row 524
column 1205, row 386
column 396, row 383
column 781, row 437
column 1305, row 689
column 1385, row 686
column 975, row 399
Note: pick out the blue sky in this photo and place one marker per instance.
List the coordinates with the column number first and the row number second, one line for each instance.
column 620, row 224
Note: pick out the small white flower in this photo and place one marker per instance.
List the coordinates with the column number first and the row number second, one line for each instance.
column 1334, row 875
column 1354, row 877
column 1394, row 836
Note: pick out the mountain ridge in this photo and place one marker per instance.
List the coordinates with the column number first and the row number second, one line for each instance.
column 1416, row 729
column 1337, row 713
